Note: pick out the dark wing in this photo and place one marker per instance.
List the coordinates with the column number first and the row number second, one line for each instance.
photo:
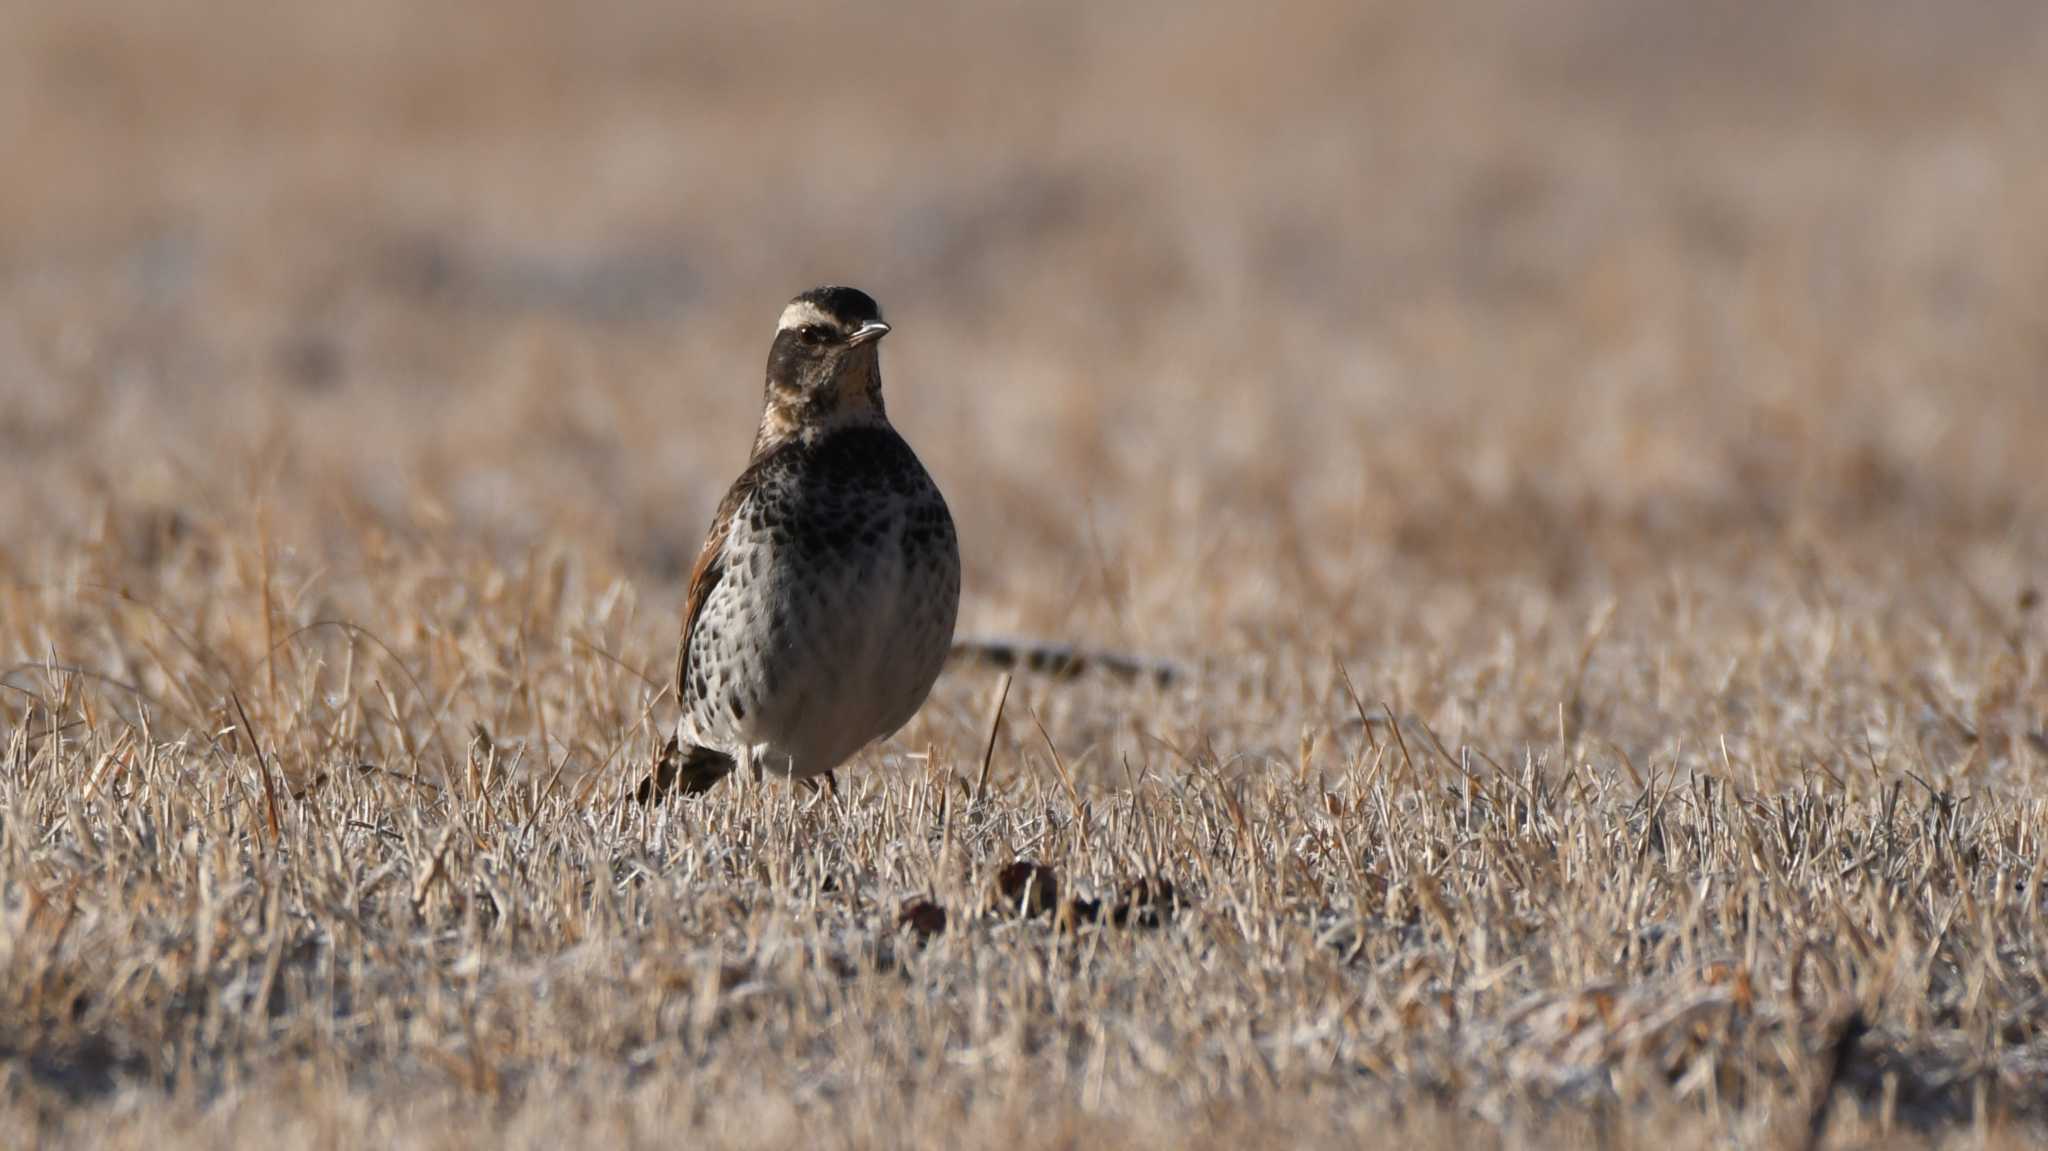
column 711, row 561
column 710, row 568
column 699, row 768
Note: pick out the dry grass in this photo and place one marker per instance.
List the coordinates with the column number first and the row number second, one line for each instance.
column 1638, row 403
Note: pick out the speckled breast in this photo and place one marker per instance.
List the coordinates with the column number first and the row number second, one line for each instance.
column 836, row 609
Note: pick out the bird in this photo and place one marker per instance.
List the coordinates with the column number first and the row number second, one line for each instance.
column 821, row 607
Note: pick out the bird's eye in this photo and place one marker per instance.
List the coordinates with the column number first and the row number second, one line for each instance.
column 812, row 333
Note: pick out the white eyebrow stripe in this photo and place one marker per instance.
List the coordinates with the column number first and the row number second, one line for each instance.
column 800, row 313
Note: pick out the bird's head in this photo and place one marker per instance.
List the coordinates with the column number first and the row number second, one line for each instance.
column 824, row 367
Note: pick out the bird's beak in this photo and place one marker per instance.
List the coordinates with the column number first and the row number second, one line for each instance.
column 867, row 333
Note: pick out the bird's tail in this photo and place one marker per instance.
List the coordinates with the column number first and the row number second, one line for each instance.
column 695, row 770
column 1064, row 661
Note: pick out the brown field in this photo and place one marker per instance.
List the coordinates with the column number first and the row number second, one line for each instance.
column 1641, row 405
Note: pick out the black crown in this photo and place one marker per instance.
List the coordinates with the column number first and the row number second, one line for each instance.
column 849, row 306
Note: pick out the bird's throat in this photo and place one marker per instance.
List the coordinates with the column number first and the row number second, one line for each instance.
column 815, row 415
column 851, row 398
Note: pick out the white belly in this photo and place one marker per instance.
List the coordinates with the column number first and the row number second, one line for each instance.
column 880, row 637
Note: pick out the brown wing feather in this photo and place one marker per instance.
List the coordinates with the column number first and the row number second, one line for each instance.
column 710, row 566
column 699, row 768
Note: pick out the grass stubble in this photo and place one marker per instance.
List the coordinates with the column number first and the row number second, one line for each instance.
column 1587, row 471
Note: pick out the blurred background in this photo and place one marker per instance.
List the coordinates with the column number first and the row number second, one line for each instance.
column 1218, row 326
column 1643, row 403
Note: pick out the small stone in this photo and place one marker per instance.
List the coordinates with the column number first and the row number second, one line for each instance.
column 1146, row 903
column 923, row 917
column 1028, row 888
